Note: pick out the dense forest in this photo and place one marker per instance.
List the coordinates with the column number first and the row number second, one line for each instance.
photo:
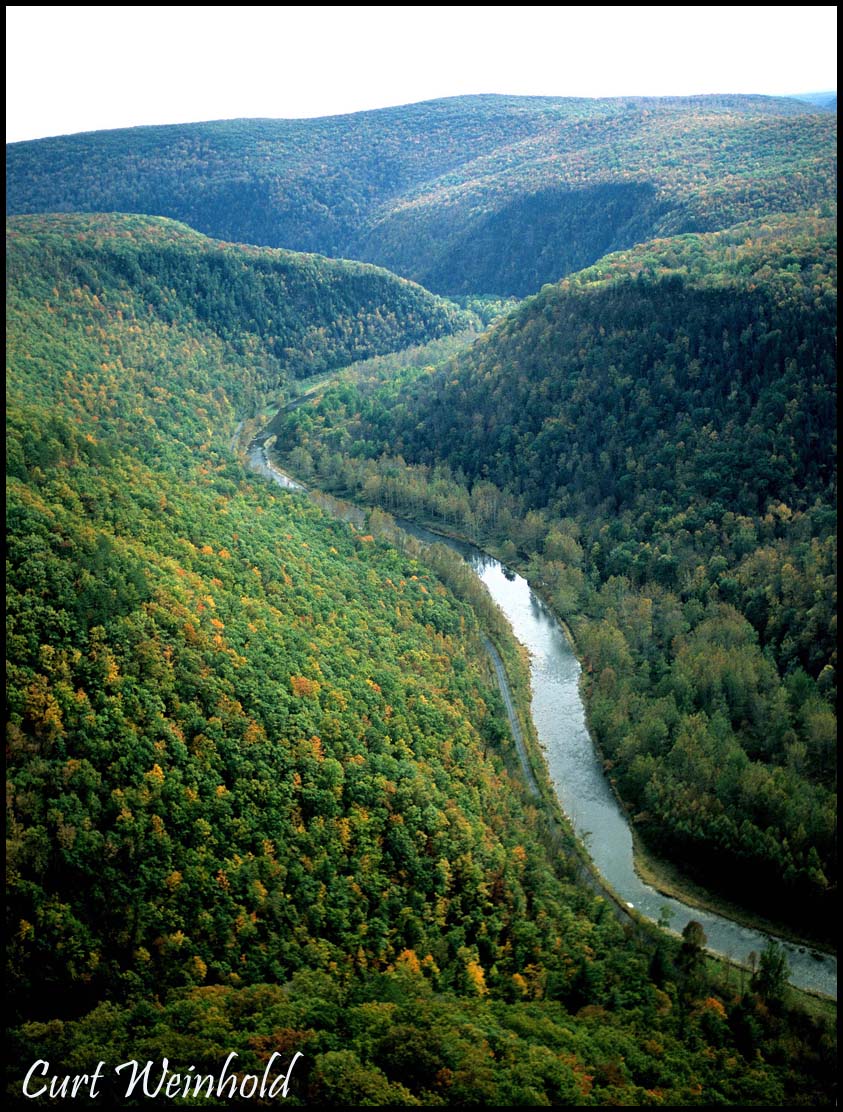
column 484, row 194
column 261, row 793
column 655, row 439
column 310, row 314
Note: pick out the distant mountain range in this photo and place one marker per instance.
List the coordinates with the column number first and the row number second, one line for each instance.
column 827, row 99
column 489, row 194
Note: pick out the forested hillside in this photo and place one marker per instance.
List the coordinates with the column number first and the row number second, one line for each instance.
column 486, row 194
column 258, row 785
column 309, row 314
column 656, row 436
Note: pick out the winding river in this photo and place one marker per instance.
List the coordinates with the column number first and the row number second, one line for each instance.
column 576, row 770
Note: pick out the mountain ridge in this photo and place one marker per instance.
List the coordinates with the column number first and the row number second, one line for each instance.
column 388, row 185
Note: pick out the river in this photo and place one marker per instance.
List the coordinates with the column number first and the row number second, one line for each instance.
column 576, row 770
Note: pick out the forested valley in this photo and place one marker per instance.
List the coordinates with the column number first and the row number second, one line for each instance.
column 262, row 793
column 655, row 438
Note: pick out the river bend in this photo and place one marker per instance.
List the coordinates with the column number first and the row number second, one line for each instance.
column 575, row 768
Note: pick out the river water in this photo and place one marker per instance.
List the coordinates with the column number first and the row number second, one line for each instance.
column 576, row 770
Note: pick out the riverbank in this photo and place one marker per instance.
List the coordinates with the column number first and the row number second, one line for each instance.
column 667, row 879
column 511, row 671
column 641, row 906
column 662, row 875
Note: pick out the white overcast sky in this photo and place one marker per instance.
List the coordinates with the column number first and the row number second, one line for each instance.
column 83, row 68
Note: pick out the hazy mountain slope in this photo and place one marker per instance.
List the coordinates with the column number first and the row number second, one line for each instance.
column 470, row 194
column 825, row 100
column 658, row 433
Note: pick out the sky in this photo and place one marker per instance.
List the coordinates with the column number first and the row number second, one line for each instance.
column 83, row 68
